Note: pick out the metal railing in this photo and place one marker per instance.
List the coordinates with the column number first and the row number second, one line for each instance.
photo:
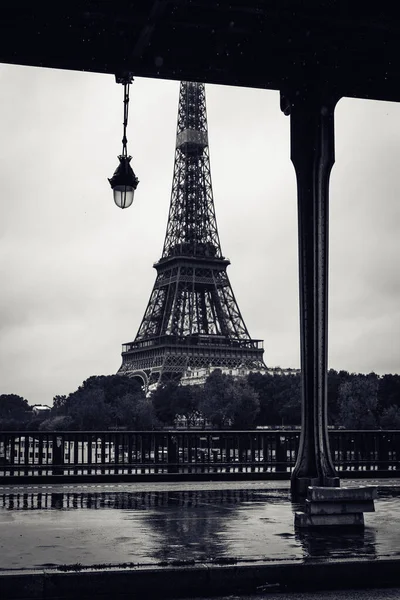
column 188, row 453
column 195, row 341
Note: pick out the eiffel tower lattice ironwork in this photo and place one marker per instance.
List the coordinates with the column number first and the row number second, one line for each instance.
column 192, row 320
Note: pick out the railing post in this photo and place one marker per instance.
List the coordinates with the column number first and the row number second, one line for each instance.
column 348, row 460
column 3, row 450
column 76, row 454
column 252, row 453
column 364, row 451
column 172, row 454
column 94, row 454
column 13, row 452
column 280, row 454
column 26, row 454
column 58, row 455
column 103, row 453
column 189, row 451
column 383, row 452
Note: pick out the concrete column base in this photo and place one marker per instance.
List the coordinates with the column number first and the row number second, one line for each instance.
column 304, row 520
column 336, row 507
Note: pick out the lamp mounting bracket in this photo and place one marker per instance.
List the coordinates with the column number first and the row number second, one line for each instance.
column 124, row 77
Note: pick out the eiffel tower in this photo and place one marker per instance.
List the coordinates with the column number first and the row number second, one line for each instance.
column 192, row 320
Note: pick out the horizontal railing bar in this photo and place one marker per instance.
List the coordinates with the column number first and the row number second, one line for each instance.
column 213, row 432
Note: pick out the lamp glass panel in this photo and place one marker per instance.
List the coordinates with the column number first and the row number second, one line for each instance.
column 123, row 195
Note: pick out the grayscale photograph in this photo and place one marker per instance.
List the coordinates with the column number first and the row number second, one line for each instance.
column 199, row 309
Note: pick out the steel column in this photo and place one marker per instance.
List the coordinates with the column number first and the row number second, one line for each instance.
column 312, row 153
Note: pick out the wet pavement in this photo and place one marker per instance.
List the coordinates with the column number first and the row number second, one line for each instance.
column 377, row 594
column 178, row 523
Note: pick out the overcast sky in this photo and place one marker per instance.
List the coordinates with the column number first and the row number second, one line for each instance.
column 76, row 271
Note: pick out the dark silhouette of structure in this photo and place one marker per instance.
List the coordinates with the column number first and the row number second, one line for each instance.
column 192, row 320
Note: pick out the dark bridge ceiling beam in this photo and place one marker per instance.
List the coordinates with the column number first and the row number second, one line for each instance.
column 254, row 43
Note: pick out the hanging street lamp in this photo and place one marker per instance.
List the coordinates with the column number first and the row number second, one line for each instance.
column 124, row 181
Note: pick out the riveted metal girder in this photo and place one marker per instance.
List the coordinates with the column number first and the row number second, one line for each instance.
column 192, row 318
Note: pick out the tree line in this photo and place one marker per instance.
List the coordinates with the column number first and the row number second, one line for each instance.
column 355, row 401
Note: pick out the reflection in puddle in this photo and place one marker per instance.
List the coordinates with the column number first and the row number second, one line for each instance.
column 199, row 525
column 337, row 545
column 135, row 500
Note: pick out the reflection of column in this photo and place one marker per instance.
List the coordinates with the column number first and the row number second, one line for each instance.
column 312, row 153
column 328, row 542
column 331, row 544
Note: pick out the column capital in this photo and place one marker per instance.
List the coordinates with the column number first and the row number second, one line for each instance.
column 308, row 95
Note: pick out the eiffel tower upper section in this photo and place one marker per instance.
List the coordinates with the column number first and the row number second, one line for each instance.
column 192, row 320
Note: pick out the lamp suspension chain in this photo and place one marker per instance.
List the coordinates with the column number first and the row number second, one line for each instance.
column 124, row 181
column 126, row 109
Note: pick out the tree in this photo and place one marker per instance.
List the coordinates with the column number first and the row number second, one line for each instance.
column 388, row 392
column 335, row 379
column 358, row 401
column 60, row 423
column 289, row 400
column 133, row 412
column 185, row 402
column 161, row 399
column 266, row 386
column 15, row 412
column 13, row 406
column 144, row 414
column 59, row 405
column 102, row 402
column 113, row 387
column 229, row 402
column 279, row 397
column 217, row 404
column 390, row 418
column 89, row 411
column 194, row 416
column 172, row 400
column 246, row 405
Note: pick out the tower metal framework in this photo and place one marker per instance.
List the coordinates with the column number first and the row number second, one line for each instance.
column 192, row 320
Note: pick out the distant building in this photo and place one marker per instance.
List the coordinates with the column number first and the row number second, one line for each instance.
column 199, row 376
column 283, row 371
column 40, row 409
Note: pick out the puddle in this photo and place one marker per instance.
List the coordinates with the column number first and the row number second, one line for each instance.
column 152, row 527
